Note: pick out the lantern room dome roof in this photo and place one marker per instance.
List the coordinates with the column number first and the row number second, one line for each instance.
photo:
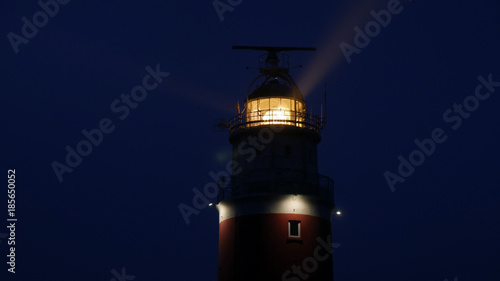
column 273, row 88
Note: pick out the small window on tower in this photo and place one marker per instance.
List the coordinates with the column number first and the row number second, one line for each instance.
column 293, row 228
column 288, row 149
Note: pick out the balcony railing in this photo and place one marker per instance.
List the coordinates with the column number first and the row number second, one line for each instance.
column 270, row 117
column 278, row 181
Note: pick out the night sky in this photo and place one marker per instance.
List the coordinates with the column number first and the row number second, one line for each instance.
column 118, row 208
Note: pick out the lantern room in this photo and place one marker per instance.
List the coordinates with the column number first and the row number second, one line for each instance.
column 275, row 103
column 273, row 98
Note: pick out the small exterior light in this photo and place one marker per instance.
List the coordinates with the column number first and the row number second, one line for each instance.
column 210, row 204
column 339, row 213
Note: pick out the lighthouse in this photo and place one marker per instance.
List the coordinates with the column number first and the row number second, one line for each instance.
column 275, row 213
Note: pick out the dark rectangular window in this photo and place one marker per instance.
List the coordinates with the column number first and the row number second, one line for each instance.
column 294, row 228
column 288, row 149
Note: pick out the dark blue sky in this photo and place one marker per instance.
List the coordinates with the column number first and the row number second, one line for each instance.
column 119, row 207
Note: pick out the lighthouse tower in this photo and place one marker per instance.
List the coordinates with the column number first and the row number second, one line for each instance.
column 275, row 214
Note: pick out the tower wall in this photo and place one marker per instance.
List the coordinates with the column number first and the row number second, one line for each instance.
column 254, row 240
column 265, row 148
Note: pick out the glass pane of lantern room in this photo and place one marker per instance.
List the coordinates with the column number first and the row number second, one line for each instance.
column 275, row 103
column 252, row 106
column 292, row 109
column 264, row 104
column 285, row 104
column 252, row 113
column 300, row 106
